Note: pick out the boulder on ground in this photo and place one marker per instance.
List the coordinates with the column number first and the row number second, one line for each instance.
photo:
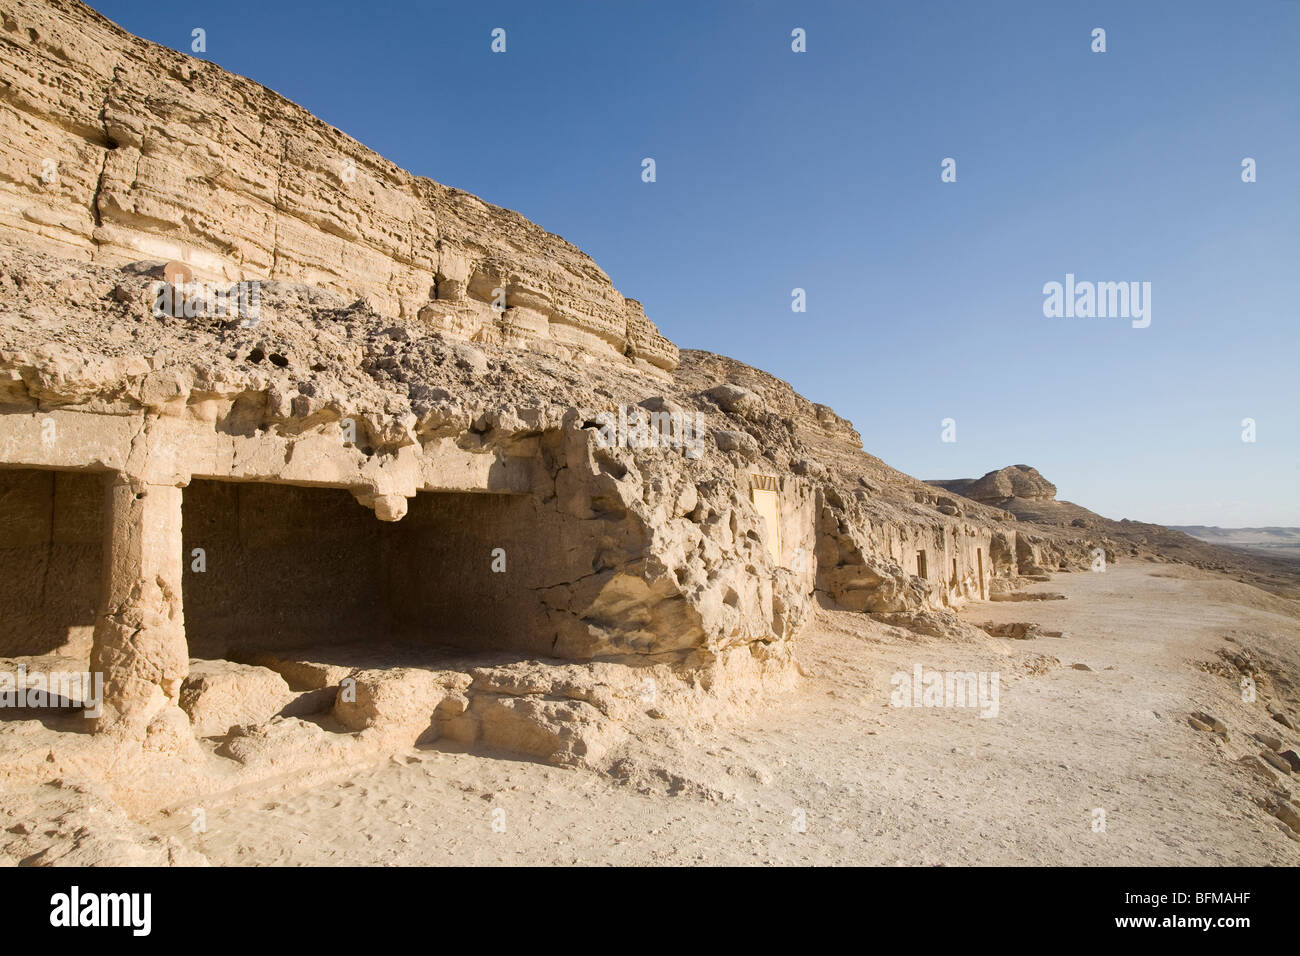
column 218, row 695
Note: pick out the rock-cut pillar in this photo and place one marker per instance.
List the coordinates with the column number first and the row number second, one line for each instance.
column 139, row 643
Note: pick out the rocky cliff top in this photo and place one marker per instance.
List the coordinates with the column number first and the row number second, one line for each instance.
column 1023, row 493
column 415, row 307
column 1014, row 481
column 115, row 149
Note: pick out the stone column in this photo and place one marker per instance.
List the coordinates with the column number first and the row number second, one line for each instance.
column 139, row 643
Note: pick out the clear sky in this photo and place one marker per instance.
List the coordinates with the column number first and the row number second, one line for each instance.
column 821, row 171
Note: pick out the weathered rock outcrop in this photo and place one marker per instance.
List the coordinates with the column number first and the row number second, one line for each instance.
column 524, row 541
column 218, row 695
column 1052, row 534
column 644, row 547
column 1014, row 481
column 114, row 149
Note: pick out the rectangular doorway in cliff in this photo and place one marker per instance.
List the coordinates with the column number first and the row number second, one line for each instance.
column 921, row 569
column 979, row 562
column 51, row 558
column 310, row 573
column 764, row 493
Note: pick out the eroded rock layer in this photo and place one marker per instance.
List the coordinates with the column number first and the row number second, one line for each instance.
column 114, row 149
column 343, row 507
column 537, row 504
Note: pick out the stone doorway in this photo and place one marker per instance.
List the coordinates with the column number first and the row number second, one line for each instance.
column 272, row 568
column 51, row 560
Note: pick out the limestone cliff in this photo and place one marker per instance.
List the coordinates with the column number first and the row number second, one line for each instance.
column 1014, row 481
column 497, row 542
column 1022, row 492
column 114, row 149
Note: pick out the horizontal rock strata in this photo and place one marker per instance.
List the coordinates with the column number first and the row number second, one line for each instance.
column 114, row 149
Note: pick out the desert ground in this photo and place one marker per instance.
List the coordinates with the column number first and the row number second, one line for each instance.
column 1279, row 542
column 833, row 774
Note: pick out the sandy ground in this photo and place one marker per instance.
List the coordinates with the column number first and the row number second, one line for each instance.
column 870, row 783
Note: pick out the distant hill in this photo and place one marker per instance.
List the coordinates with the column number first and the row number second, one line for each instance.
column 1266, row 557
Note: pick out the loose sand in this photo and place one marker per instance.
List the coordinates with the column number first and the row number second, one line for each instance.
column 873, row 784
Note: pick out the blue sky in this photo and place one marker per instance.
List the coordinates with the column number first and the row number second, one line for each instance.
column 821, row 170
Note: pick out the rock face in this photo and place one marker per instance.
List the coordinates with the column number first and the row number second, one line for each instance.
column 519, row 542
column 219, row 695
column 1050, row 533
column 1014, row 481
column 234, row 468
column 114, row 149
